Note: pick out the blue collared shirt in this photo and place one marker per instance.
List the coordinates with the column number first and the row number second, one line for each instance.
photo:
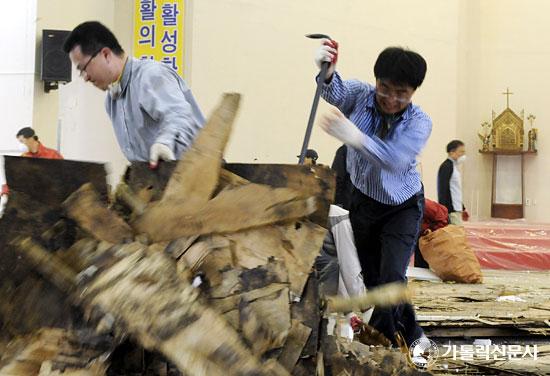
column 154, row 105
column 383, row 169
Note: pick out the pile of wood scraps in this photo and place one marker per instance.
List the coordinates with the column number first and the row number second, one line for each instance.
column 507, row 303
column 510, row 310
column 198, row 267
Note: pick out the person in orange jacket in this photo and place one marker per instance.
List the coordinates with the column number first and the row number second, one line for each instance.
column 35, row 149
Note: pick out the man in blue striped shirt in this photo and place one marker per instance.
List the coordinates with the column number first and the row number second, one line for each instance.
column 385, row 133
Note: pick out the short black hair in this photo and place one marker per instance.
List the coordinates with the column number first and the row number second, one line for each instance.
column 27, row 132
column 400, row 66
column 311, row 153
column 92, row 36
column 453, row 145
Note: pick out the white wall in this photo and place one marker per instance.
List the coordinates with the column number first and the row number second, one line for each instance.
column 258, row 48
column 475, row 49
column 85, row 129
column 507, row 46
column 17, row 38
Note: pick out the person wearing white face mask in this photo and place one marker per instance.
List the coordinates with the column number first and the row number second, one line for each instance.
column 31, row 147
column 449, row 183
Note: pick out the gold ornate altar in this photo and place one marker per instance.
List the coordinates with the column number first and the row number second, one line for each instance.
column 503, row 138
column 507, row 131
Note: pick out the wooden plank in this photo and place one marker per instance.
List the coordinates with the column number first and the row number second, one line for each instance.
column 258, row 329
column 195, row 177
column 385, row 295
column 308, row 312
column 317, row 181
column 295, row 342
column 86, row 208
column 232, row 210
column 49, row 265
column 256, row 300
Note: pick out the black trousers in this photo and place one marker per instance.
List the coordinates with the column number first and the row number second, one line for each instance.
column 385, row 237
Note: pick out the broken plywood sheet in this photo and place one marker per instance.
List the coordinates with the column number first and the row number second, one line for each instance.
column 38, row 187
column 297, row 244
column 258, row 296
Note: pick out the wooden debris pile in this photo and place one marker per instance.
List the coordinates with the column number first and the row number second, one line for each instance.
column 205, row 266
column 510, row 308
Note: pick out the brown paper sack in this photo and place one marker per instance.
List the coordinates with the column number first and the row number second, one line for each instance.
column 449, row 255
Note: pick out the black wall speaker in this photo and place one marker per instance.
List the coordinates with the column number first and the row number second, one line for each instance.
column 56, row 65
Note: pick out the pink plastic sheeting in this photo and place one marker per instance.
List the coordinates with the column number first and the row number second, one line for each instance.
column 510, row 244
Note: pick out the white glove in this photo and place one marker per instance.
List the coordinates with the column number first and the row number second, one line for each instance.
column 328, row 51
column 340, row 127
column 3, row 202
column 160, row 151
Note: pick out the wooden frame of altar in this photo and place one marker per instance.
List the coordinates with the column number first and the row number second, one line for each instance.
column 510, row 203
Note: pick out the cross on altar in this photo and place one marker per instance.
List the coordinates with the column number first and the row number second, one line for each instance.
column 507, row 93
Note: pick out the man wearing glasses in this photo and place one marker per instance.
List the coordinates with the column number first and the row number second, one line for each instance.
column 154, row 113
column 384, row 133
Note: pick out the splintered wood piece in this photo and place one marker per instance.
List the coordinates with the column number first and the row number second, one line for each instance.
column 234, row 209
column 297, row 339
column 385, row 295
column 49, row 265
column 86, row 208
column 143, row 296
column 196, row 175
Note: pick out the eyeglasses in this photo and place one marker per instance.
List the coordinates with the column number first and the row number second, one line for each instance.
column 385, row 92
column 83, row 69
